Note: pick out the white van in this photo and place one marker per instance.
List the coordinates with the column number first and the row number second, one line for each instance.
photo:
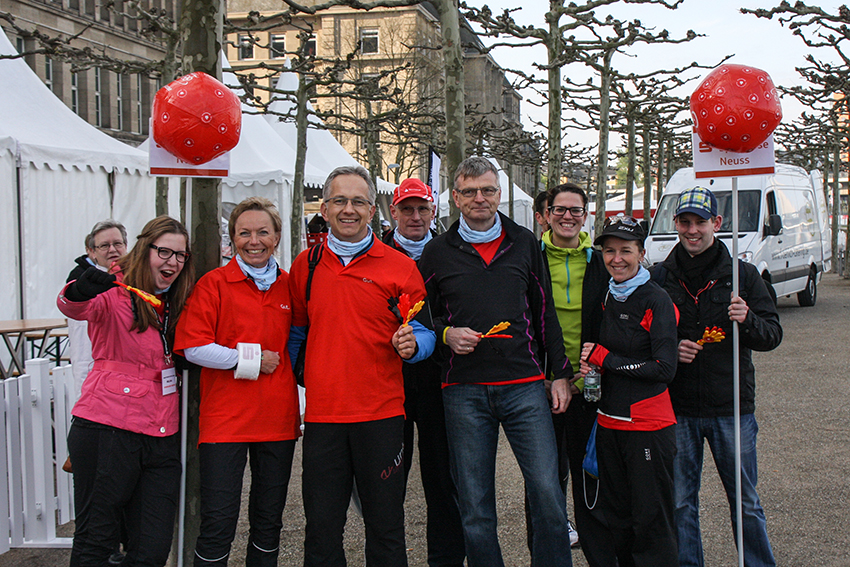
column 783, row 228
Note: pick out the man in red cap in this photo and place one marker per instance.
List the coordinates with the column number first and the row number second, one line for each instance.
column 413, row 210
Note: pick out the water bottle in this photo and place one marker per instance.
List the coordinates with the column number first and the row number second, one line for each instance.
column 593, row 384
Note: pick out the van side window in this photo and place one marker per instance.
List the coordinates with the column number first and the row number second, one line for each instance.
column 769, row 209
column 771, row 204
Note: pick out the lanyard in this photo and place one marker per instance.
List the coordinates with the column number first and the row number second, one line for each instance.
column 163, row 328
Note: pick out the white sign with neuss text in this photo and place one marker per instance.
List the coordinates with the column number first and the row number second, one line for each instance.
column 711, row 162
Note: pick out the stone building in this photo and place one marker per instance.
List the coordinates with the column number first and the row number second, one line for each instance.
column 120, row 105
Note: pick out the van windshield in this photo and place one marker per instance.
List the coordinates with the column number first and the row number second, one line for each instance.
column 748, row 212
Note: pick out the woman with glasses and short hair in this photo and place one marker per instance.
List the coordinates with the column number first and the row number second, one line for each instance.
column 236, row 326
column 635, row 437
column 123, row 440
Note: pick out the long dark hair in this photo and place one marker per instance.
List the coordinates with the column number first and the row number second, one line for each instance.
column 136, row 266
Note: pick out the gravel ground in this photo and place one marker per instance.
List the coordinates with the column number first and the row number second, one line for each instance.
column 804, row 462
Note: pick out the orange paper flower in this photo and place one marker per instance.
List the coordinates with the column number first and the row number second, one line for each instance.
column 712, row 335
column 496, row 328
column 147, row 297
column 405, row 309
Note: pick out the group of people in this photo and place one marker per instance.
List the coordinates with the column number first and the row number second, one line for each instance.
column 509, row 326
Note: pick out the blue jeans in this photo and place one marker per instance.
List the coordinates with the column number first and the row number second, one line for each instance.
column 720, row 433
column 473, row 415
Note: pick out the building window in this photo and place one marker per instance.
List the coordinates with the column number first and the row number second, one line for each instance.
column 119, row 102
column 277, row 46
column 246, row 47
column 310, row 48
column 75, row 93
column 19, row 45
column 98, row 101
column 48, row 72
column 368, row 41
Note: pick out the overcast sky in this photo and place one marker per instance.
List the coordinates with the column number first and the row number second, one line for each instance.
column 757, row 42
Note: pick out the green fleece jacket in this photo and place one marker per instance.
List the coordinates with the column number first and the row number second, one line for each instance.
column 567, row 267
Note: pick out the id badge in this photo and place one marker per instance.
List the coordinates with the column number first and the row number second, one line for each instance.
column 169, row 381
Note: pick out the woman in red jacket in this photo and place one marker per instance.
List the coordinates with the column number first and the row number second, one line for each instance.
column 123, row 440
column 236, row 327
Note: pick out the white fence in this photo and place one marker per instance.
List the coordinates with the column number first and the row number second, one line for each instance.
column 38, row 494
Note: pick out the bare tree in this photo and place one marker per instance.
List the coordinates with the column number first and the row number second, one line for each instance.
column 562, row 19
column 829, row 83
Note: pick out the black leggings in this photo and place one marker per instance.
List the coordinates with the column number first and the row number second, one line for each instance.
column 336, row 455
column 222, row 466
column 118, row 474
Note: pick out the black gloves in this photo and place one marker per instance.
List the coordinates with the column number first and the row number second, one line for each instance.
column 92, row 282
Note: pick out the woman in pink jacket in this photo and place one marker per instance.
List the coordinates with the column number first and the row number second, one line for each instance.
column 123, row 441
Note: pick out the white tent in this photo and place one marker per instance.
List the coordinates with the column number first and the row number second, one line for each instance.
column 523, row 204
column 58, row 177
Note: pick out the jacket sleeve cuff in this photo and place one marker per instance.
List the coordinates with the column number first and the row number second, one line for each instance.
column 597, row 355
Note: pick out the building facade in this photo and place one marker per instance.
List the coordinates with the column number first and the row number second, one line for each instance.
column 118, row 104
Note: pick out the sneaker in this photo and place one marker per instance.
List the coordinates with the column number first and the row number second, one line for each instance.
column 573, row 535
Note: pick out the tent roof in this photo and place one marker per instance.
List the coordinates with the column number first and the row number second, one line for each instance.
column 48, row 133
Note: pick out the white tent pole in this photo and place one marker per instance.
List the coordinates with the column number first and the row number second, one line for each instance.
column 736, row 375
column 181, row 505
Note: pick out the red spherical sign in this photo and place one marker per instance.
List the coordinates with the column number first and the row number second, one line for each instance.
column 736, row 108
column 196, row 118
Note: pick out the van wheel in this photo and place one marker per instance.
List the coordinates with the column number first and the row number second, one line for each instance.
column 809, row 296
column 770, row 290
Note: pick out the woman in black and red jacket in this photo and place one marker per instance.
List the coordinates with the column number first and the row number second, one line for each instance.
column 636, row 438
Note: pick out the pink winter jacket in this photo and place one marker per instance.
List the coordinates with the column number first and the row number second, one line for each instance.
column 124, row 388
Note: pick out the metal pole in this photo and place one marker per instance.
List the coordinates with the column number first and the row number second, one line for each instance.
column 736, row 376
column 184, row 408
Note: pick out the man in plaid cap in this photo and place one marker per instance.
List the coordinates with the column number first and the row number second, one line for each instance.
column 698, row 276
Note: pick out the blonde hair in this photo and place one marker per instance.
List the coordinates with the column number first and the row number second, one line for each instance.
column 254, row 204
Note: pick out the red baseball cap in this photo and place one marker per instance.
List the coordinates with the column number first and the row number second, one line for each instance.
column 412, row 187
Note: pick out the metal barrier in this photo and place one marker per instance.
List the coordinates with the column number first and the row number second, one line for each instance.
column 38, row 494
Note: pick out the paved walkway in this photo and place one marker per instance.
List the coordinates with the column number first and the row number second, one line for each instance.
column 803, row 396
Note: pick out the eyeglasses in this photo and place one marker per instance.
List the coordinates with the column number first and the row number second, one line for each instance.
column 486, row 191
column 620, row 219
column 356, row 202
column 408, row 211
column 561, row 211
column 167, row 253
column 107, row 245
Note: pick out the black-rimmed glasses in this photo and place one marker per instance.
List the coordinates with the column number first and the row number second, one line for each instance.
column 167, row 253
column 561, row 211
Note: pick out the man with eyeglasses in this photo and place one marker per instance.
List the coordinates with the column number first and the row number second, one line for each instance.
column 413, row 210
column 106, row 242
column 354, row 418
column 486, row 270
